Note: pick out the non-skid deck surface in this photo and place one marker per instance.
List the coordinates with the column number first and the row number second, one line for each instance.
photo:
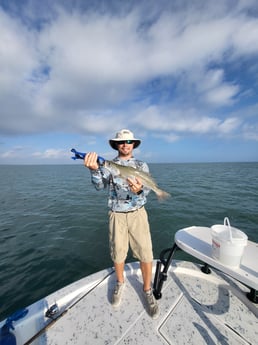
column 195, row 309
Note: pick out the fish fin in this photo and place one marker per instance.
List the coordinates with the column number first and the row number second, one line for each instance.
column 162, row 195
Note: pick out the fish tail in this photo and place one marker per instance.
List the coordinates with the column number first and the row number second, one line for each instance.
column 162, row 195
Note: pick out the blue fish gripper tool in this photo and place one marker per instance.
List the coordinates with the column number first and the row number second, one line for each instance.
column 81, row 155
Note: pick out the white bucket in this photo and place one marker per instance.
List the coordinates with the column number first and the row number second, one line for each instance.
column 228, row 244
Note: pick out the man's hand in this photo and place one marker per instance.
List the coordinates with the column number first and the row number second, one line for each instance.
column 90, row 161
column 135, row 185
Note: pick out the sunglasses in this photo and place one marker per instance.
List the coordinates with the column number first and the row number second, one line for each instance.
column 121, row 142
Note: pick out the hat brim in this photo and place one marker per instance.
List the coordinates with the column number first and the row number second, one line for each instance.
column 113, row 143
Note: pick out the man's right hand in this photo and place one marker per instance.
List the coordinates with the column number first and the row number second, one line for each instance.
column 90, row 161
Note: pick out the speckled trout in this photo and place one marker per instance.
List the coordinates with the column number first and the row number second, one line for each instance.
column 126, row 172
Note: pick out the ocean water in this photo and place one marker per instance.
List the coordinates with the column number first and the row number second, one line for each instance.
column 53, row 223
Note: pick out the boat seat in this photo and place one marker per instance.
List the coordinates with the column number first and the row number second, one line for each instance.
column 196, row 241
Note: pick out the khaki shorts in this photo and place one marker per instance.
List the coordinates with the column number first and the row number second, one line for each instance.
column 131, row 228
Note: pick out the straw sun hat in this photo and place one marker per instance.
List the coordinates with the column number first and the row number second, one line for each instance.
column 124, row 135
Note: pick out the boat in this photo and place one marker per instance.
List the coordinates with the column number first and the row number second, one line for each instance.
column 201, row 301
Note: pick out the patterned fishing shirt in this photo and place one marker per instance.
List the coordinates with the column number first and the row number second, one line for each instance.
column 120, row 199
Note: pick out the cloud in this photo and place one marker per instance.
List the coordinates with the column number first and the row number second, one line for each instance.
column 170, row 137
column 7, row 154
column 51, row 154
column 15, row 152
column 69, row 69
column 229, row 125
column 179, row 121
column 250, row 131
column 26, row 155
column 214, row 89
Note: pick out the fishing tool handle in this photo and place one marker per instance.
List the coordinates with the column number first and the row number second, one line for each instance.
column 81, row 155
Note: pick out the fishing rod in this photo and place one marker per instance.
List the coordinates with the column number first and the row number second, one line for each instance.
column 81, row 155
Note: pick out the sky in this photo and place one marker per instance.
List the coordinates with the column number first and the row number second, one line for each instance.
column 182, row 75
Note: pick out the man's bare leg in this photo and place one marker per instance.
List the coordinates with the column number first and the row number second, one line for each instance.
column 146, row 268
column 119, row 268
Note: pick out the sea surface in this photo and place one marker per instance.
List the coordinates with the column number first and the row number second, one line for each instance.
column 53, row 223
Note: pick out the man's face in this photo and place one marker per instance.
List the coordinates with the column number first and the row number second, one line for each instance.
column 125, row 148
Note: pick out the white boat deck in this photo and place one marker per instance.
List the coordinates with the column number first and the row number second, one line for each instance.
column 195, row 308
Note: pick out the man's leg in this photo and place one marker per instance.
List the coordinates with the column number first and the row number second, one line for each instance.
column 117, row 294
column 119, row 268
column 118, row 239
column 146, row 268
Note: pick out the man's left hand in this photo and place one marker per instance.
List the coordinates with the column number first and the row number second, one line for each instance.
column 135, row 185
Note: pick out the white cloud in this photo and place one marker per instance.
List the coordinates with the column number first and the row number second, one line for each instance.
column 17, row 55
column 83, row 68
column 251, row 132
column 7, row 154
column 170, row 137
column 52, row 154
column 15, row 152
column 229, row 125
column 222, row 95
column 178, row 121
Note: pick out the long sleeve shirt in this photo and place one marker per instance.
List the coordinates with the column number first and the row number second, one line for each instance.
column 120, row 198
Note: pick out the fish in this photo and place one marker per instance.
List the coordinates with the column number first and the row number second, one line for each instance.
column 126, row 172
column 147, row 180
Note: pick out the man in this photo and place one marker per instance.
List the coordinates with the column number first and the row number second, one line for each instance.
column 128, row 220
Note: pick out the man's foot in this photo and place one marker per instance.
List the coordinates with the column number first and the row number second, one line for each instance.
column 152, row 304
column 117, row 294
